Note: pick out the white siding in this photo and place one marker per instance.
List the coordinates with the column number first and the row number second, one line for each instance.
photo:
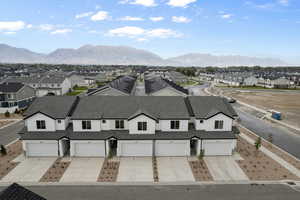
column 209, row 125
column 133, row 125
column 62, row 125
column 31, row 122
column 172, row 147
column 165, row 125
column 95, row 126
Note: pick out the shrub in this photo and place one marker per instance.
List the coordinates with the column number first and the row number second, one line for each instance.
column 17, row 111
column 257, row 143
column 7, row 114
column 3, row 150
column 201, row 155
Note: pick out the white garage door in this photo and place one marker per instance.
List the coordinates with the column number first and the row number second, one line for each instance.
column 88, row 148
column 39, row 148
column 135, row 148
column 172, row 148
column 218, row 147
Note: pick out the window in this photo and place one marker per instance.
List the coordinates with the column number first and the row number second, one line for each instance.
column 119, row 124
column 86, row 125
column 10, row 96
column 175, row 124
column 103, row 121
column 142, row 126
column 219, row 124
column 201, row 121
column 40, row 124
column 59, row 121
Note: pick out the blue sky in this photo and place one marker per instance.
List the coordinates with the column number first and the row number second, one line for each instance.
column 264, row 28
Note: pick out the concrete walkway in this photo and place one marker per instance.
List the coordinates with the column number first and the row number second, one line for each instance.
column 135, row 169
column 272, row 155
column 174, row 169
column 30, row 170
column 224, row 168
column 83, row 170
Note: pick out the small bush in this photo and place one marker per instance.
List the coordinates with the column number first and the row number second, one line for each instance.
column 7, row 114
column 201, row 155
column 257, row 143
column 3, row 150
column 17, row 111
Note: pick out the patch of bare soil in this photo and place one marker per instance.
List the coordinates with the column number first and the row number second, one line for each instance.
column 284, row 155
column 285, row 102
column 257, row 166
column 155, row 170
column 200, row 170
column 6, row 164
column 55, row 172
column 109, row 171
column 5, row 122
column 12, row 116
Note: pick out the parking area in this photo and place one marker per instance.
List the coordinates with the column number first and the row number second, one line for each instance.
column 174, row 169
column 29, row 170
column 224, row 168
column 135, row 169
column 83, row 170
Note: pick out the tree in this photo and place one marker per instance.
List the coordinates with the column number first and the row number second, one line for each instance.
column 7, row 114
column 257, row 143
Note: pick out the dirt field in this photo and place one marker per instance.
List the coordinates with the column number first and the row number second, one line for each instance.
column 286, row 103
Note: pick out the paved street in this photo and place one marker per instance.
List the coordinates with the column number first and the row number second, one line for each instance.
column 9, row 133
column 192, row 192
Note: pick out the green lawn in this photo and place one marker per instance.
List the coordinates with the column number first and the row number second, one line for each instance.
column 188, row 83
column 74, row 93
column 80, row 88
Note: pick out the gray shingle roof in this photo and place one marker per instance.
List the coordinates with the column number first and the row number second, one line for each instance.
column 8, row 87
column 123, row 107
column 54, row 106
column 17, row 192
column 157, row 83
column 205, row 107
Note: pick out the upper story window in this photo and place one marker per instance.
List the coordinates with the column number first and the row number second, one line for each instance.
column 119, row 124
column 219, row 124
column 201, row 121
column 40, row 124
column 142, row 126
column 86, row 125
column 10, row 96
column 175, row 124
column 59, row 121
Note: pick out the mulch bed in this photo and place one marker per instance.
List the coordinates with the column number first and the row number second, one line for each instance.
column 6, row 164
column 285, row 156
column 257, row 166
column 109, row 171
column 56, row 171
column 155, row 170
column 200, row 170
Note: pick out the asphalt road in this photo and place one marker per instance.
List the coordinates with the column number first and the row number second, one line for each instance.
column 9, row 133
column 193, row 192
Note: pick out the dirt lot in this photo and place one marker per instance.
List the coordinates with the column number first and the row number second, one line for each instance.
column 287, row 103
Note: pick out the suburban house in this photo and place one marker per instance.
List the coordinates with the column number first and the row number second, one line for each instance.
column 99, row 126
column 122, row 86
column 15, row 96
column 250, row 81
column 163, row 87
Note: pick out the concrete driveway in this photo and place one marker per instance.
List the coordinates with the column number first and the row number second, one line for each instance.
column 172, row 169
column 135, row 169
column 224, row 168
column 83, row 170
column 29, row 170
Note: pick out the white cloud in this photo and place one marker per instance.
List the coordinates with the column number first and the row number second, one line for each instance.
column 82, row 15
column 134, row 32
column 180, row 19
column 226, row 16
column 156, row 19
column 146, row 3
column 61, row 31
column 284, row 2
column 129, row 31
column 29, row 26
column 46, row 27
column 142, row 40
column 10, row 33
column 99, row 16
column 12, row 26
column 180, row 3
column 129, row 18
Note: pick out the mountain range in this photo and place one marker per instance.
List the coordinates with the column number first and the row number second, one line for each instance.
column 123, row 55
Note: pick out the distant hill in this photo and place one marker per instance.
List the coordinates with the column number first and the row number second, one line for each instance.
column 123, row 55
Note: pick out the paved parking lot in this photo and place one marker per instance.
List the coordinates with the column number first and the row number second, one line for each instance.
column 224, row 168
column 29, row 170
column 171, row 169
column 83, row 170
column 135, row 169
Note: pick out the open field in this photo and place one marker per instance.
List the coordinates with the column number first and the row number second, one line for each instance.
column 286, row 103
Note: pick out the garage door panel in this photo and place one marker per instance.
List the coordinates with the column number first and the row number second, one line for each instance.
column 86, row 149
column 42, row 149
column 218, row 148
column 172, row 148
column 135, row 148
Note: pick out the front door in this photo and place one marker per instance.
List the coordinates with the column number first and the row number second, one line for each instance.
column 113, row 145
column 193, row 145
